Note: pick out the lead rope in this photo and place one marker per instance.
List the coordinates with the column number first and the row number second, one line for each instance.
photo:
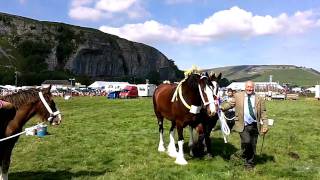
column 52, row 114
column 26, row 130
column 223, row 123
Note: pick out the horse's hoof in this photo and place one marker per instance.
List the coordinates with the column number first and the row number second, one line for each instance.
column 161, row 149
column 172, row 154
column 181, row 161
column 172, row 151
column 191, row 153
column 208, row 156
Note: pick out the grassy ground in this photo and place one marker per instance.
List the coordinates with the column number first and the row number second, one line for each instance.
column 298, row 77
column 118, row 139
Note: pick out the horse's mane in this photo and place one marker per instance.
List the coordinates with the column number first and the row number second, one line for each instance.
column 22, row 97
column 192, row 81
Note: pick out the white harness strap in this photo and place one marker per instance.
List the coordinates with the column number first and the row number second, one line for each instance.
column 182, row 99
column 178, row 92
column 44, row 102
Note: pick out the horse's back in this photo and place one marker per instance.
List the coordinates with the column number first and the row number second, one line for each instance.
column 162, row 98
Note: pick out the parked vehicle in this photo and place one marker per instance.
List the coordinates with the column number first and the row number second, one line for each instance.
column 317, row 93
column 129, row 92
column 145, row 90
column 113, row 95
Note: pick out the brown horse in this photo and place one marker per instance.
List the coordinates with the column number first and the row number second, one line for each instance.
column 181, row 104
column 207, row 123
column 27, row 103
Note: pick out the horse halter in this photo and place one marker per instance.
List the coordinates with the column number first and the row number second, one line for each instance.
column 195, row 109
column 210, row 96
column 52, row 114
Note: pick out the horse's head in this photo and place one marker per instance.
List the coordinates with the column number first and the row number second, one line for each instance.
column 49, row 110
column 207, row 93
column 214, row 80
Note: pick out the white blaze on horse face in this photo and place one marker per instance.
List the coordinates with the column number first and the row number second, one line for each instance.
column 210, row 95
column 215, row 87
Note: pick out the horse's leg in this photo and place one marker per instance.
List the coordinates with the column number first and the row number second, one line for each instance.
column 2, row 176
column 4, row 169
column 5, row 158
column 161, row 147
column 180, row 156
column 191, row 140
column 172, row 151
column 207, row 141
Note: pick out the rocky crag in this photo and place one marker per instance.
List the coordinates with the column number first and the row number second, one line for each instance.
column 81, row 51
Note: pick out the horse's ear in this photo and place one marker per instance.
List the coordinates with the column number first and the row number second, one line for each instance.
column 205, row 74
column 213, row 76
column 219, row 76
column 47, row 90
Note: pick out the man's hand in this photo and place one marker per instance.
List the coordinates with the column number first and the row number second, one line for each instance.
column 7, row 105
column 232, row 102
column 264, row 130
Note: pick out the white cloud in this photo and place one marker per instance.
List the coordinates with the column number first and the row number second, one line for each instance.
column 85, row 13
column 22, row 1
column 225, row 23
column 114, row 5
column 178, row 1
column 76, row 3
column 98, row 9
column 149, row 31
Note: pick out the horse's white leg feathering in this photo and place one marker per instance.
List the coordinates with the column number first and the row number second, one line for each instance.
column 180, row 156
column 161, row 147
column 2, row 175
column 172, row 151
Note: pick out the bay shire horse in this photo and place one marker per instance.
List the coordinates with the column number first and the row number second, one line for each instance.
column 181, row 104
column 27, row 103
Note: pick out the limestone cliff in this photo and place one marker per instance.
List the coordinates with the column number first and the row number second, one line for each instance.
column 83, row 51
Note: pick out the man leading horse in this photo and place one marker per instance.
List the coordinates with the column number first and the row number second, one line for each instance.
column 250, row 119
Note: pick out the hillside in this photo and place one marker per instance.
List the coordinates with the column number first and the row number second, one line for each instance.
column 41, row 50
column 294, row 75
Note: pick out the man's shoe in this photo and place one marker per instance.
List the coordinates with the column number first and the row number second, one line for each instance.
column 249, row 167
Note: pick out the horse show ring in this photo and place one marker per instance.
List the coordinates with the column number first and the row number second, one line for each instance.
column 106, row 138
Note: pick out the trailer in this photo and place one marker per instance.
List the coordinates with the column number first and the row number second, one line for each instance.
column 317, row 92
column 145, row 90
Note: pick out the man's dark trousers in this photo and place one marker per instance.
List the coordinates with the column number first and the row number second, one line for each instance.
column 249, row 138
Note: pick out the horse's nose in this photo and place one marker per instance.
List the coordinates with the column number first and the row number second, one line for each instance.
column 211, row 113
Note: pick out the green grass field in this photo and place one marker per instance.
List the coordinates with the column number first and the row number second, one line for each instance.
column 118, row 139
column 293, row 76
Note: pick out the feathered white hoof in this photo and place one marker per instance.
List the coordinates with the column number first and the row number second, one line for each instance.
column 191, row 153
column 181, row 161
column 4, row 176
column 161, row 148
column 172, row 151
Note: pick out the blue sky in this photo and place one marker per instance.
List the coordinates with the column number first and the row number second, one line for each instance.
column 206, row 33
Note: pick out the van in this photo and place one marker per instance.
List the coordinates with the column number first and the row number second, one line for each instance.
column 129, row 92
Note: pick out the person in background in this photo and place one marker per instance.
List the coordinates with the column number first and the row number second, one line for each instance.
column 250, row 119
column 230, row 113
